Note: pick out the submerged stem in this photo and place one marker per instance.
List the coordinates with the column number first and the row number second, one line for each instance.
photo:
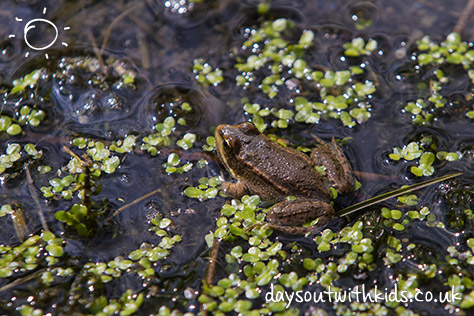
column 34, row 195
column 135, row 202
column 464, row 17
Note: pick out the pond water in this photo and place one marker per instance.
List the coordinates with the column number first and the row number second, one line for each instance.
column 169, row 72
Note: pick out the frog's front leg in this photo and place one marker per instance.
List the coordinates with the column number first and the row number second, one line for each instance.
column 234, row 189
column 338, row 168
column 284, row 214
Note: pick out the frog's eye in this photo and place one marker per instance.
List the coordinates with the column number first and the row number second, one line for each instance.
column 231, row 144
column 249, row 129
column 227, row 143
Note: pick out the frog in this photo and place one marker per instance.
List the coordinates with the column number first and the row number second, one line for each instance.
column 274, row 172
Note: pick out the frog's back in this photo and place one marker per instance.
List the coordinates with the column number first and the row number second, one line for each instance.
column 274, row 172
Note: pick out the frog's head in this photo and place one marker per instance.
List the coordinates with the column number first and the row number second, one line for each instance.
column 231, row 140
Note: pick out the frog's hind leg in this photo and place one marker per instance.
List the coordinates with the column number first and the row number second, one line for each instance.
column 291, row 230
column 338, row 168
column 297, row 213
column 299, row 230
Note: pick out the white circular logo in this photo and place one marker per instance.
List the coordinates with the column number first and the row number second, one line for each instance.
column 29, row 26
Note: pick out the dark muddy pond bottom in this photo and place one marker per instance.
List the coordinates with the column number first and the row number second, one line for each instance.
column 118, row 196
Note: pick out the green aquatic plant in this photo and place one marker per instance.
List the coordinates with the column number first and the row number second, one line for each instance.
column 82, row 177
column 14, row 154
column 140, row 261
column 286, row 89
column 78, row 217
column 207, row 189
column 28, row 80
column 127, row 304
column 205, row 74
column 26, row 115
column 160, row 137
column 37, row 251
column 338, row 94
column 255, row 257
column 425, row 159
column 172, row 165
column 358, row 47
column 187, row 141
column 436, row 59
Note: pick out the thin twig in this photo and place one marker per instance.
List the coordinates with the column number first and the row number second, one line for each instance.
column 144, row 53
column 210, row 269
column 21, row 280
column 108, row 32
column 97, row 53
column 434, row 6
column 70, row 152
column 464, row 17
column 135, row 202
column 34, row 195
column 149, row 29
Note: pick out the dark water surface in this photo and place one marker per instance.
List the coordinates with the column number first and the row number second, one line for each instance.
column 160, row 44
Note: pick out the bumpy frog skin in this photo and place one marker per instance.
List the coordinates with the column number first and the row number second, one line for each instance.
column 274, row 172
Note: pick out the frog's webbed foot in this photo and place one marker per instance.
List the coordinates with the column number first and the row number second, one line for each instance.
column 338, row 168
column 234, row 189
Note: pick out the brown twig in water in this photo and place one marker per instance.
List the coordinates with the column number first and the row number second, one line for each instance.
column 70, row 152
column 34, row 195
column 464, row 17
column 135, row 202
column 21, row 280
column 211, row 268
column 19, row 224
column 144, row 53
column 436, row 7
column 97, row 53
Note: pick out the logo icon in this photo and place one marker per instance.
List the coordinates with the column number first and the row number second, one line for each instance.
column 32, row 24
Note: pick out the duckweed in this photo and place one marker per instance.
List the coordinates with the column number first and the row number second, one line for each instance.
column 187, row 141
column 339, row 94
column 28, row 80
column 172, row 165
column 14, row 154
column 207, row 189
column 124, row 146
column 257, row 260
column 358, row 47
column 160, row 138
column 37, row 251
column 205, row 74
column 417, row 151
column 127, row 304
column 210, row 144
column 435, row 58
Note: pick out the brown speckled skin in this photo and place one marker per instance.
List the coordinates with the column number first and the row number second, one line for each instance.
column 338, row 169
column 274, row 172
column 267, row 168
